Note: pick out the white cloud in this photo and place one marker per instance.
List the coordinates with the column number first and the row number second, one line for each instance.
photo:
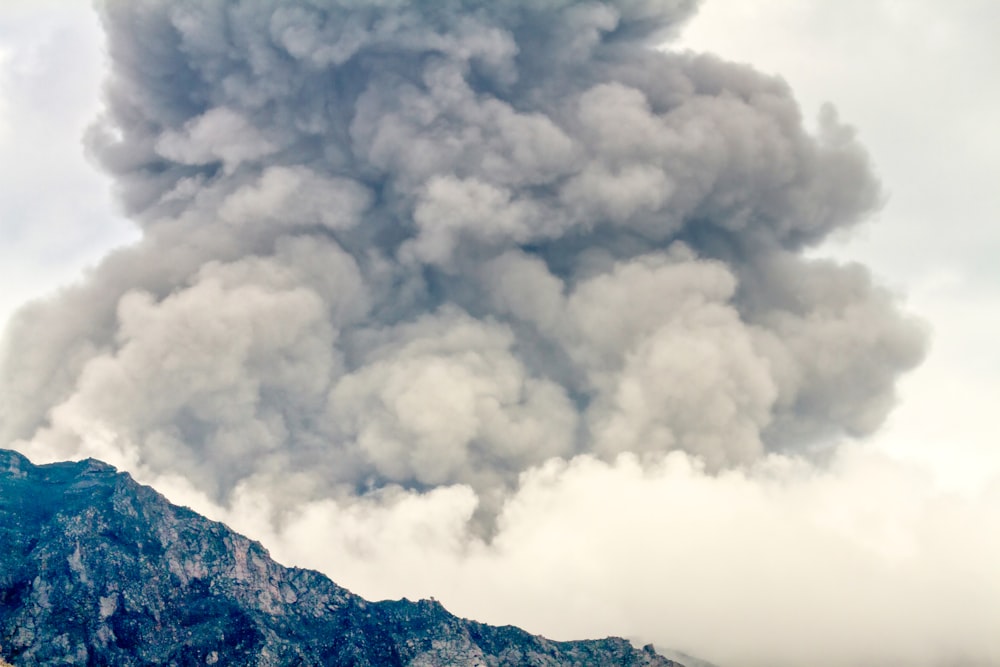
column 867, row 562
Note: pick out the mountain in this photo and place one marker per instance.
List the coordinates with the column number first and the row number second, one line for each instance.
column 96, row 569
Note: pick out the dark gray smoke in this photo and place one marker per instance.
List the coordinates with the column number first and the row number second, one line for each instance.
column 441, row 242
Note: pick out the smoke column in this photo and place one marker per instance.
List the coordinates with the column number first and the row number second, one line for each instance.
column 408, row 249
column 432, row 243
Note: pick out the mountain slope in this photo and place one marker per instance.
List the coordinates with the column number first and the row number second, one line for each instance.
column 96, row 569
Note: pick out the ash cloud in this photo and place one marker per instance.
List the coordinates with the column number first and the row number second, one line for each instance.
column 407, row 246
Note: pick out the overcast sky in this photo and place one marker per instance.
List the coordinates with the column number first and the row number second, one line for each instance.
column 885, row 557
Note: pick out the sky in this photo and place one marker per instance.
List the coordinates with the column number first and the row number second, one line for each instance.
column 877, row 549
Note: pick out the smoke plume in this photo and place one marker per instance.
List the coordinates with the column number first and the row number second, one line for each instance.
column 432, row 243
column 423, row 254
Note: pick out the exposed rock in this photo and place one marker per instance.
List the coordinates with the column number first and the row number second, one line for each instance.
column 99, row 570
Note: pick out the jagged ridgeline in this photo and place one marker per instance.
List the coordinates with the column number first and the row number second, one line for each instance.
column 96, row 569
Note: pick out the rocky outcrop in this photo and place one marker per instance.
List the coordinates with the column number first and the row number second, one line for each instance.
column 96, row 569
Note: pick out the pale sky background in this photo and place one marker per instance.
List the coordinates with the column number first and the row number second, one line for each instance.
column 918, row 79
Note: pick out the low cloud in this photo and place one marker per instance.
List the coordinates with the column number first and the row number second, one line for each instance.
column 863, row 562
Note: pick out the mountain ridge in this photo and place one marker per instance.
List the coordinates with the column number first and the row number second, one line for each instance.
column 100, row 570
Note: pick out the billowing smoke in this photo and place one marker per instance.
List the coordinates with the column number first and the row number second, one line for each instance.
column 413, row 252
column 444, row 242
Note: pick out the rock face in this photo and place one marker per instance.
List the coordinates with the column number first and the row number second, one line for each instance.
column 96, row 569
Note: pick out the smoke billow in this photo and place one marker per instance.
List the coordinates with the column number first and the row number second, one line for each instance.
column 433, row 243
column 405, row 250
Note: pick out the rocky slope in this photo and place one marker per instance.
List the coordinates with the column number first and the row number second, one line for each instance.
column 96, row 569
